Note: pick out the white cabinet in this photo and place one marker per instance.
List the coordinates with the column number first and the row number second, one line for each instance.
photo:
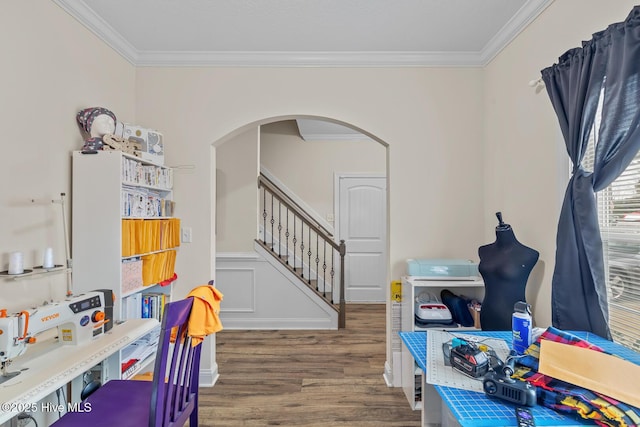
column 124, row 238
column 411, row 288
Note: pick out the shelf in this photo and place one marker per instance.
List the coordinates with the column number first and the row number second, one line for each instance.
column 136, row 290
column 148, row 217
column 150, row 187
column 35, row 272
column 443, row 283
column 138, row 367
column 175, row 248
column 142, row 289
column 142, row 351
column 141, row 160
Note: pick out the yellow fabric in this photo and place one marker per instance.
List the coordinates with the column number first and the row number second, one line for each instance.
column 145, row 376
column 204, row 318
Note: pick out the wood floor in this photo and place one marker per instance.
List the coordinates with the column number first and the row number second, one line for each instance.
column 306, row 378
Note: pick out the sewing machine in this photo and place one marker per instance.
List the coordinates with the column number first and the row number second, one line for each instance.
column 79, row 319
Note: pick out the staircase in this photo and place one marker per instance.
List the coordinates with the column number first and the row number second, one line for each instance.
column 302, row 245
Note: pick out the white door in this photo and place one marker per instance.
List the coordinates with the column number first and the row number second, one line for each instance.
column 362, row 224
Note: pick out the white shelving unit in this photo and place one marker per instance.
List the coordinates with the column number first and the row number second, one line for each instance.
column 101, row 182
column 411, row 288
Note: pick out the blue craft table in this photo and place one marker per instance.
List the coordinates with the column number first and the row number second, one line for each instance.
column 473, row 409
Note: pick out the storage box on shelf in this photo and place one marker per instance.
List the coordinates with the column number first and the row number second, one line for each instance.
column 124, row 238
column 412, row 287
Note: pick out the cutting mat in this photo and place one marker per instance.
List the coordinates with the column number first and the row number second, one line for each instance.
column 438, row 373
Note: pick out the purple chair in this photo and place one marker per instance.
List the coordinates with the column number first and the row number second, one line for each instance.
column 169, row 400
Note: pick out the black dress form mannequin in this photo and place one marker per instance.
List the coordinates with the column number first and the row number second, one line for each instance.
column 505, row 266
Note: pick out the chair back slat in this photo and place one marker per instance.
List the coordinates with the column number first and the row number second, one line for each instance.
column 184, row 389
column 182, row 384
column 177, row 367
column 174, row 358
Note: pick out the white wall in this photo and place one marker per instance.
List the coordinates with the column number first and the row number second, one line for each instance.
column 237, row 171
column 526, row 165
column 308, row 167
column 431, row 119
column 51, row 68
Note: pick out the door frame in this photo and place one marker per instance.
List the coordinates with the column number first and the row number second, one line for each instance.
column 336, row 216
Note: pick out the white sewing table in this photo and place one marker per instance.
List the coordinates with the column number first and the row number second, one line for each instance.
column 47, row 366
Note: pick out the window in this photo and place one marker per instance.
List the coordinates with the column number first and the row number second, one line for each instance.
column 619, row 219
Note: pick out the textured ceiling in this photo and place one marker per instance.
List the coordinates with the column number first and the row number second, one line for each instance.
column 306, row 32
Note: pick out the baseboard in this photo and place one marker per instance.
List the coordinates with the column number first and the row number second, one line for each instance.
column 387, row 374
column 208, row 377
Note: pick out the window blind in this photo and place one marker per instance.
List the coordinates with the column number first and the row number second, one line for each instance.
column 619, row 219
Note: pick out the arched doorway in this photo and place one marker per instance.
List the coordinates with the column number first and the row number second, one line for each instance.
column 309, row 170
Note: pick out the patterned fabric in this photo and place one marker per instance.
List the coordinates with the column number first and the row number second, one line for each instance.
column 86, row 117
column 568, row 398
column 92, row 144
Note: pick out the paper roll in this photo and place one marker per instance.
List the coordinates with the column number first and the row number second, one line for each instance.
column 47, row 261
column 16, row 265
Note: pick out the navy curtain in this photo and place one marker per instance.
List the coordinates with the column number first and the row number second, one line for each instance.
column 606, row 66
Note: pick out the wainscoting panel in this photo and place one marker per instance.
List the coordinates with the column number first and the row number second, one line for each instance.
column 240, row 289
column 260, row 294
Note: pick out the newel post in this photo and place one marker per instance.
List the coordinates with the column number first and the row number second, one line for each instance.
column 342, row 319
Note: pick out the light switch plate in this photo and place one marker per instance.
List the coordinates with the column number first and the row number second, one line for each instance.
column 185, row 234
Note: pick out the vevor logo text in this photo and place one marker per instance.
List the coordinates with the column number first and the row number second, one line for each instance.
column 51, row 317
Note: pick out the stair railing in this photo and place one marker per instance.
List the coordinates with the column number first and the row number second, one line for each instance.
column 303, row 245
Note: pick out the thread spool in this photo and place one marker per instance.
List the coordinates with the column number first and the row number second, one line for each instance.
column 47, row 260
column 16, row 263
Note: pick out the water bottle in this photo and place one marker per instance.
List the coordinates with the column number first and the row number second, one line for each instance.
column 521, row 326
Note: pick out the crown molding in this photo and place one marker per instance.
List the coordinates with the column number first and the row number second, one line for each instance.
column 87, row 17
column 98, row 26
column 308, row 59
column 527, row 13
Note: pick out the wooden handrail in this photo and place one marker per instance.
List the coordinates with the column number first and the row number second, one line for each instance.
column 279, row 199
column 263, row 181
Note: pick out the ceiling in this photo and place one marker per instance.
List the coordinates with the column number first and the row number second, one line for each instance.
column 321, row 130
column 306, row 32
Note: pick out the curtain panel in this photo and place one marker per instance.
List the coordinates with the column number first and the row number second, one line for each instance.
column 605, row 70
